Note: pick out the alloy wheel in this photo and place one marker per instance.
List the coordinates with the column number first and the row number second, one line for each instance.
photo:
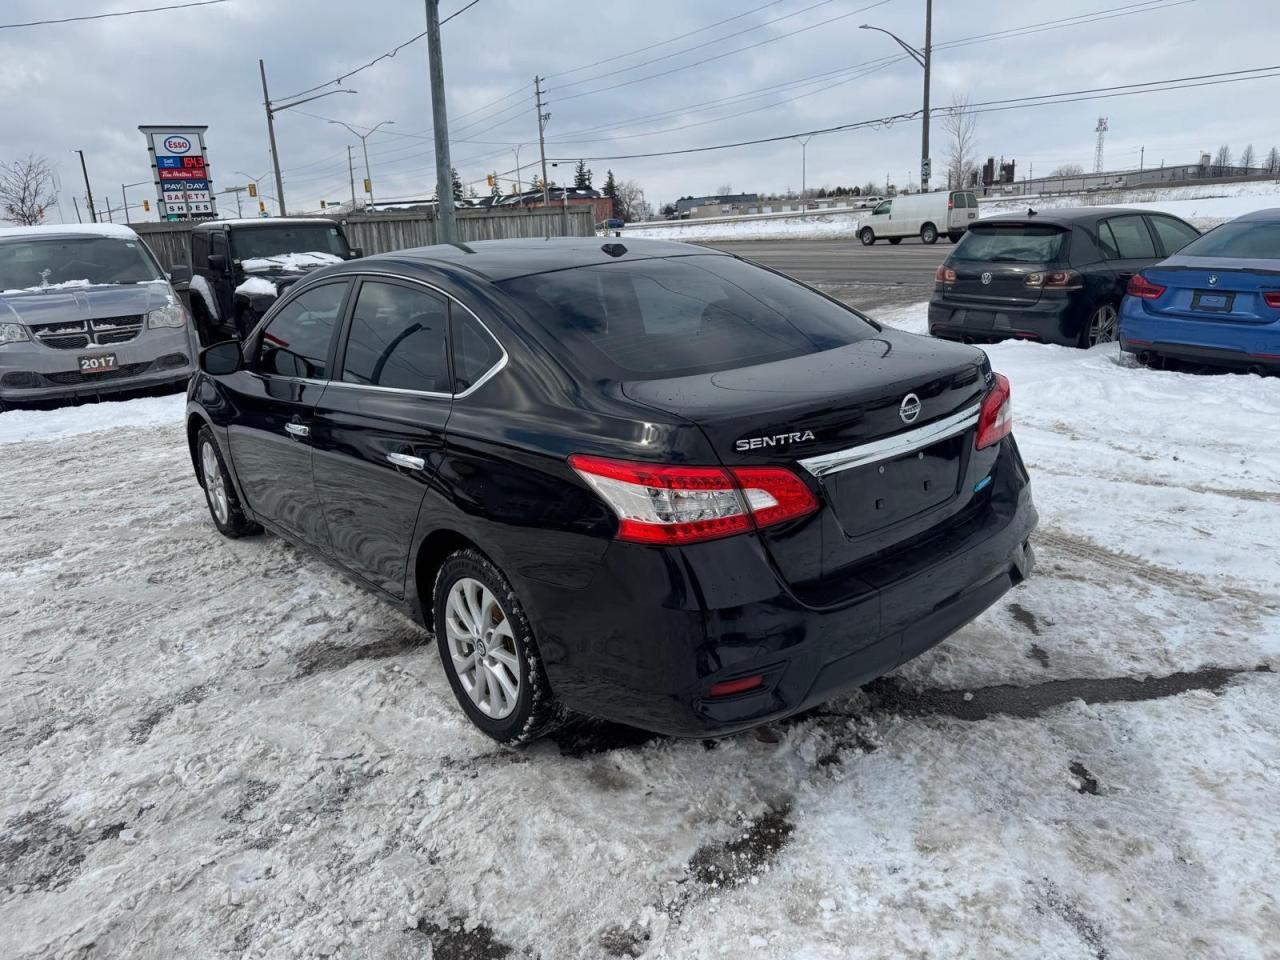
column 214, row 485
column 482, row 648
column 1102, row 325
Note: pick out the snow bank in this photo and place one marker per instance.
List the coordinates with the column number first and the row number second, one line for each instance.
column 1204, row 205
column 289, row 261
column 811, row 226
column 18, row 426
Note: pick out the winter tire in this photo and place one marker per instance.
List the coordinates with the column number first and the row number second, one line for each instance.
column 867, row 236
column 219, row 493
column 489, row 653
column 928, row 233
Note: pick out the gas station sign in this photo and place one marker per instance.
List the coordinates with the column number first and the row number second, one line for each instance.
column 180, row 166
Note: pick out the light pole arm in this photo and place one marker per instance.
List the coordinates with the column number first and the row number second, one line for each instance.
column 915, row 54
column 297, row 103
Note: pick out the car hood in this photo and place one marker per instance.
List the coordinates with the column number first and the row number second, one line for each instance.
column 82, row 303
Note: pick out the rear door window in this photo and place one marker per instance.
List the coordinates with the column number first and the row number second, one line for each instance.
column 1126, row 238
column 1173, row 234
column 1015, row 243
column 398, row 338
column 475, row 352
column 959, row 200
column 296, row 341
column 668, row 317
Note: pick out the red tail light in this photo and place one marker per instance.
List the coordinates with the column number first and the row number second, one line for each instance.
column 1055, row 280
column 995, row 420
column 944, row 274
column 1144, row 289
column 1271, row 298
column 727, row 688
column 669, row 504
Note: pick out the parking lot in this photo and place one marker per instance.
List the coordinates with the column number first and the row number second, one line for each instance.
column 223, row 749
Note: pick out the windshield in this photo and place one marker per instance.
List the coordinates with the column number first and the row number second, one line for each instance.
column 249, row 243
column 700, row 314
column 32, row 264
column 1016, row 243
column 1247, row 241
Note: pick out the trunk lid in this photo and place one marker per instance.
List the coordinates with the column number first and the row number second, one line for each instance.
column 994, row 258
column 817, row 415
column 1215, row 289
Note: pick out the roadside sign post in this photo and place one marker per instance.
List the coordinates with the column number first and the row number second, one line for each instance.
column 180, row 166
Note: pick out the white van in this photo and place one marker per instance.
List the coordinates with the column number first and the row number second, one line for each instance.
column 923, row 215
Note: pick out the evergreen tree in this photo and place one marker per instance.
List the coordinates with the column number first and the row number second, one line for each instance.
column 458, row 193
column 1273, row 161
column 611, row 191
column 582, row 176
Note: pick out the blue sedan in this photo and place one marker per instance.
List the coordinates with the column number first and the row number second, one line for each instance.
column 1216, row 302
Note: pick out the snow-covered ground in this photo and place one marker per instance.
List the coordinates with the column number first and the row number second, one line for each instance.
column 214, row 748
column 1204, row 205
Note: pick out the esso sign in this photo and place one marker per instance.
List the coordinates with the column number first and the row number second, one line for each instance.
column 177, row 144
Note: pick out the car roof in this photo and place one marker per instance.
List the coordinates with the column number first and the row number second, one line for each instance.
column 1269, row 215
column 259, row 222
column 497, row 260
column 69, row 230
column 1067, row 216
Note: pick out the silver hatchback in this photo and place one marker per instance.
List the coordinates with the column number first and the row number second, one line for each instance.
column 86, row 310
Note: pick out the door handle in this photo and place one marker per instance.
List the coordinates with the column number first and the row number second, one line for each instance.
column 405, row 460
column 301, row 431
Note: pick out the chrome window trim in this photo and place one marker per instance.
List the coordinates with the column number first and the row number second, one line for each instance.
column 895, row 446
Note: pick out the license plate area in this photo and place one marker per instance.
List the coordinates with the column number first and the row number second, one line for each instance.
column 870, row 498
column 1212, row 301
column 979, row 319
column 99, row 363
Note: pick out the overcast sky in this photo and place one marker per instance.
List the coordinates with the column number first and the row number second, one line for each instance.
column 89, row 86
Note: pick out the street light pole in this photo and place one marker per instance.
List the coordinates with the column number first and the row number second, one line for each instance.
column 125, row 197
column 925, row 60
column 272, row 109
column 368, row 177
column 87, row 189
column 804, row 166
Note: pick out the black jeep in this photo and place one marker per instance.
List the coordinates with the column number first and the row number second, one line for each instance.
column 240, row 267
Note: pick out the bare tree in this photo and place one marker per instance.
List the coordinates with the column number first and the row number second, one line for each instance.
column 1067, row 170
column 1222, row 160
column 26, row 189
column 630, row 202
column 1273, row 161
column 1247, row 158
column 960, row 126
column 724, row 190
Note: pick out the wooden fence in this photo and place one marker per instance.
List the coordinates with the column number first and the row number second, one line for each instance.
column 382, row 233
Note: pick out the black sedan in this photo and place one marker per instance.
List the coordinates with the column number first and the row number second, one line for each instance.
column 646, row 481
column 1056, row 277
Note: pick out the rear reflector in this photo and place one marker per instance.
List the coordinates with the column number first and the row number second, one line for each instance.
column 1271, row 298
column 657, row 503
column 726, row 688
column 1144, row 289
column 995, row 420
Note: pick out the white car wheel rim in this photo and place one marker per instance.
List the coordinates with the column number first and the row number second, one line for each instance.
column 213, row 485
column 482, row 648
column 1102, row 327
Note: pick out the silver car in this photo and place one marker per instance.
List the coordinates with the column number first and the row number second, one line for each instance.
column 86, row 310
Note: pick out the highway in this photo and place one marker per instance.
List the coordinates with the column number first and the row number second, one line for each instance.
column 864, row 276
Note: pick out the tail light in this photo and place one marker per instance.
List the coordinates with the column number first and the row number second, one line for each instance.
column 944, row 274
column 995, row 420
column 1055, row 280
column 1271, row 298
column 727, row 688
column 669, row 504
column 1142, row 288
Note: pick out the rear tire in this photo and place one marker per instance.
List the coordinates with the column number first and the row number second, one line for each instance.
column 1101, row 326
column 928, row 233
column 489, row 652
column 219, row 492
column 867, row 236
column 895, row 240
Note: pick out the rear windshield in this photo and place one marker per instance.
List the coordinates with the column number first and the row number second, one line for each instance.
column 1248, row 241
column 649, row 319
column 75, row 261
column 1016, row 243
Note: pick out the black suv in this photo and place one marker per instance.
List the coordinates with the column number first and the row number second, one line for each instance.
column 241, row 266
column 645, row 481
column 1057, row 277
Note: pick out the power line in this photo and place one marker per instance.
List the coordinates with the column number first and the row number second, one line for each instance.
column 456, row 12
column 118, row 13
column 988, row 106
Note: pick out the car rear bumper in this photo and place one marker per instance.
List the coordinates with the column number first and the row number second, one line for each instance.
column 1054, row 320
column 1196, row 341
column 644, row 642
column 32, row 372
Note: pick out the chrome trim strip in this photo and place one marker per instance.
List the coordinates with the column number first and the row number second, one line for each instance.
column 894, row 446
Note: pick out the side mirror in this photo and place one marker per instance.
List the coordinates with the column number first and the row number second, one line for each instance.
column 217, row 262
column 357, row 253
column 180, row 273
column 222, row 358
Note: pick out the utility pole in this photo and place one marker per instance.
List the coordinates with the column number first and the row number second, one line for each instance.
column 804, row 147
column 542, row 145
column 76, row 203
column 351, row 169
column 519, row 188
column 1142, row 156
column 124, row 203
column 93, row 214
column 925, row 163
column 271, row 135
column 447, row 230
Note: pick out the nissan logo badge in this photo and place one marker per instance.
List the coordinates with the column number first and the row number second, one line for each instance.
column 986, row 279
column 910, row 408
